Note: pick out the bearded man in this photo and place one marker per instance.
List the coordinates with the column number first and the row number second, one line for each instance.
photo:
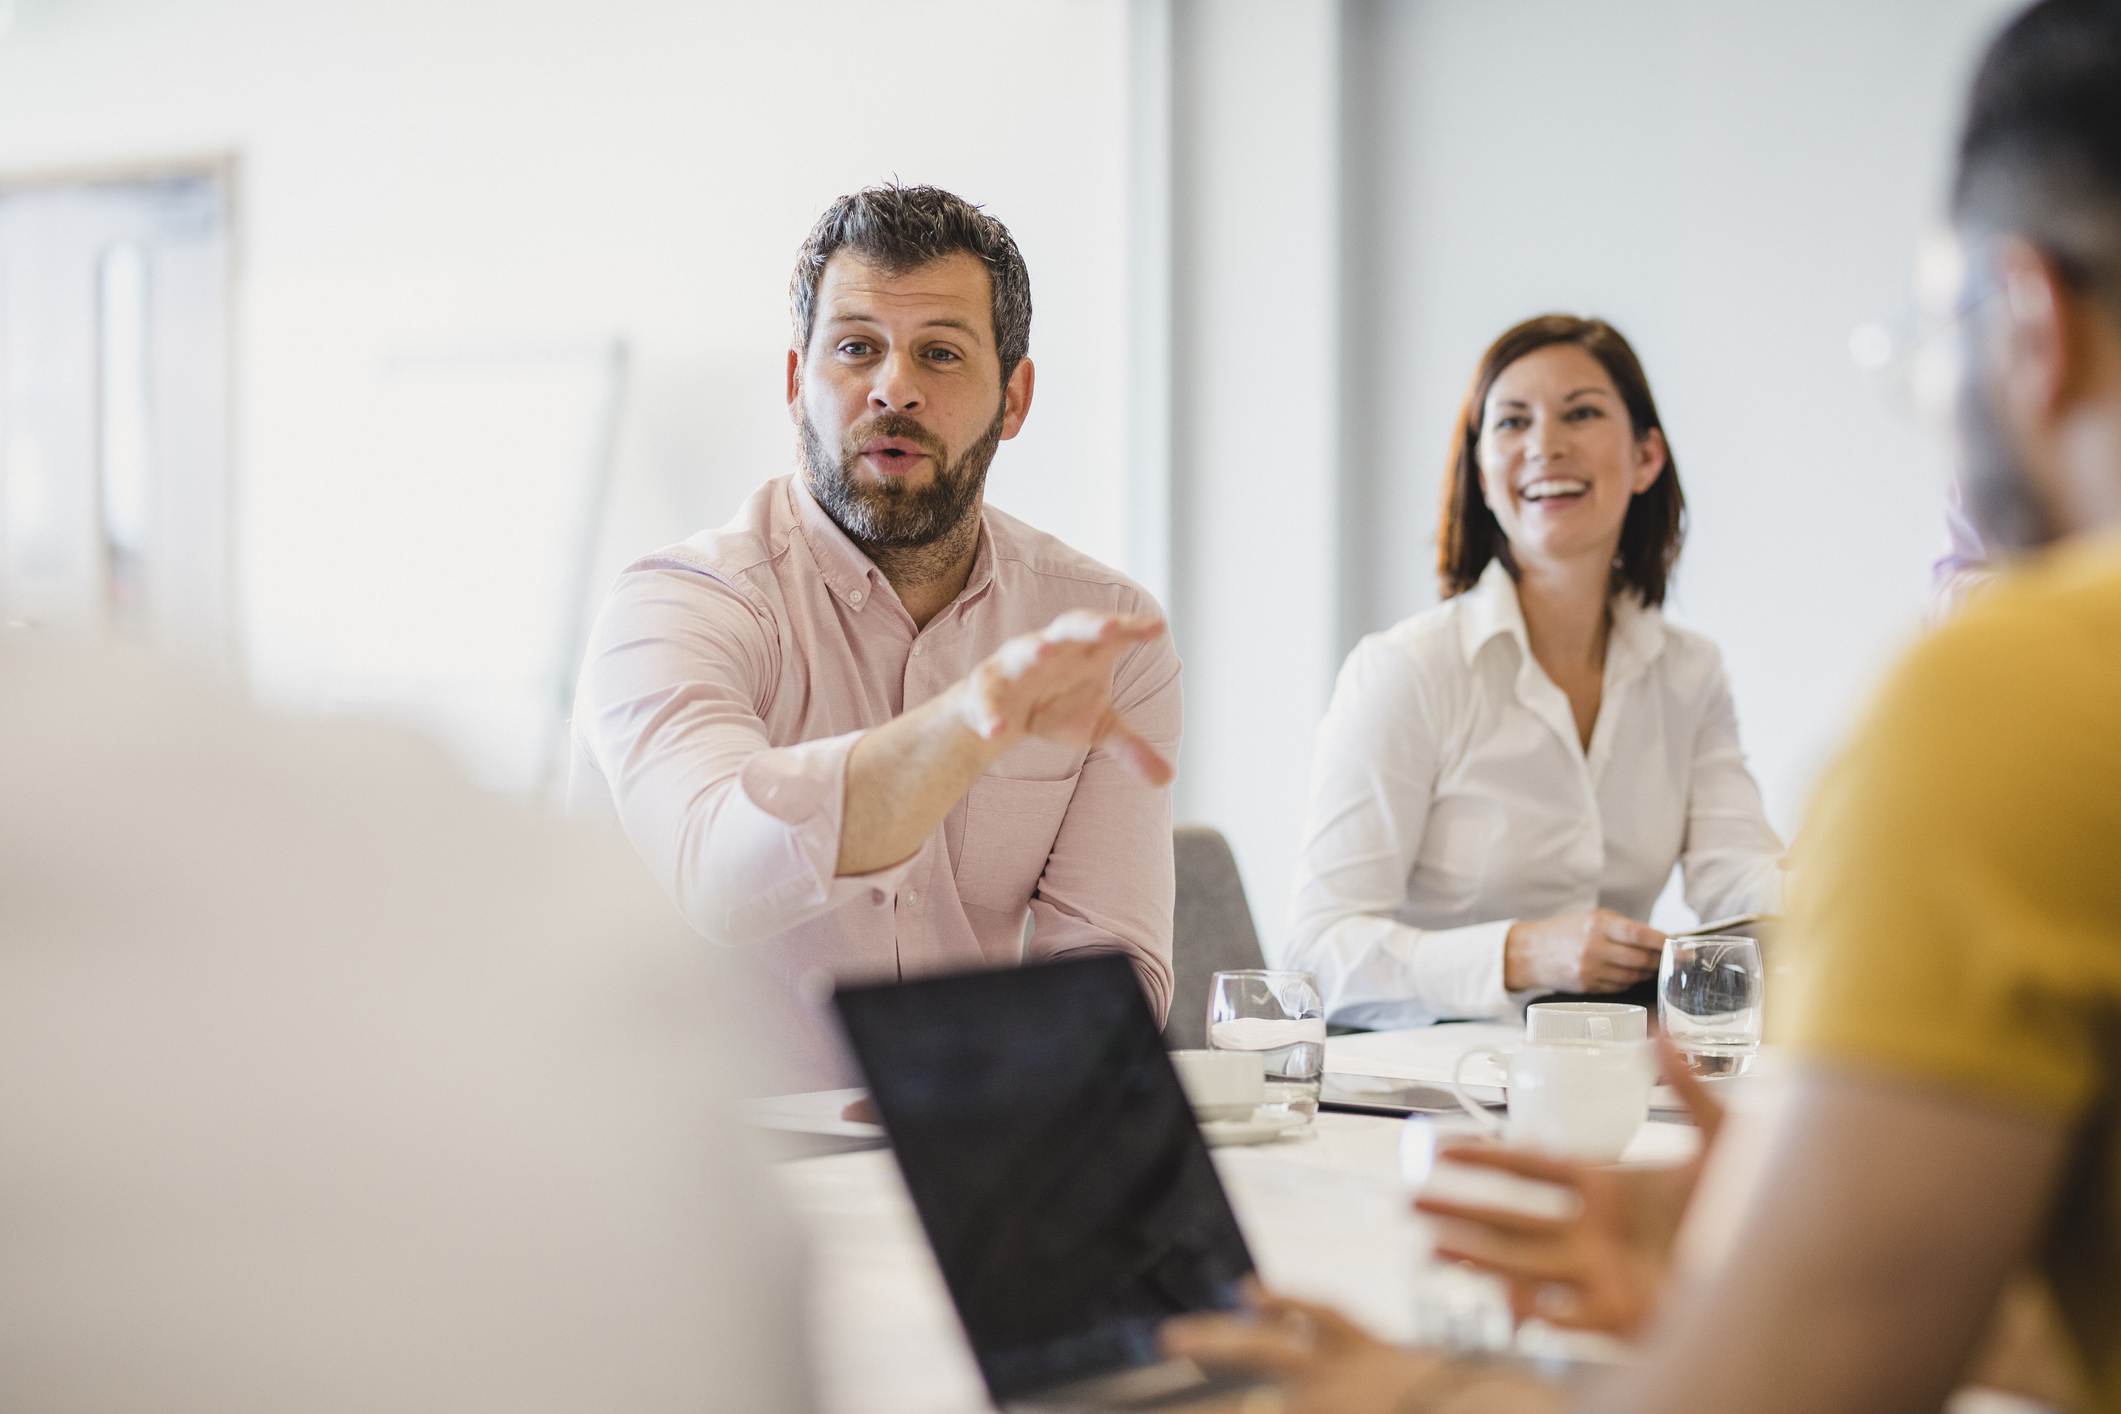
column 867, row 728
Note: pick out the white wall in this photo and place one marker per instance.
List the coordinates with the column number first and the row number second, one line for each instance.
column 418, row 173
column 1256, row 461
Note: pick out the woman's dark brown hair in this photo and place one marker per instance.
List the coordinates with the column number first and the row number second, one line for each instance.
column 1468, row 536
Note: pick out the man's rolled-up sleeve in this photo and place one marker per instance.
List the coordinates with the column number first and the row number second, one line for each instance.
column 1108, row 883
column 742, row 835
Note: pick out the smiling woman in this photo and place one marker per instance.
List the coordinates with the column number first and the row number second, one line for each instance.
column 1608, row 388
column 1502, row 784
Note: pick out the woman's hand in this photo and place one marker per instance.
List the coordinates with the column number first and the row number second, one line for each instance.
column 1604, row 1268
column 1596, row 950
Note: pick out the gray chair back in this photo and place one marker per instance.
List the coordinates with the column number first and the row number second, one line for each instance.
column 1211, row 930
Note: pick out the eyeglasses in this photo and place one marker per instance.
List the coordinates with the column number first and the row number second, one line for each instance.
column 1913, row 359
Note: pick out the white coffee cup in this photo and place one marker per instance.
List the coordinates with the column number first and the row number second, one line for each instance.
column 1580, row 1100
column 1586, row 1021
column 1222, row 1084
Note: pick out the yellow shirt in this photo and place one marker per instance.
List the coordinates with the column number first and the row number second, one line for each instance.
column 1959, row 894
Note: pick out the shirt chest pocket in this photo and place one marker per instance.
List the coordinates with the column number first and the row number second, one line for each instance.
column 1009, row 829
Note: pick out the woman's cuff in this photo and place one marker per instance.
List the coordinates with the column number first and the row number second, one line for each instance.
column 1458, row 972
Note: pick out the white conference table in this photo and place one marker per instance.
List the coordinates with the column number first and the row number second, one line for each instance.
column 1325, row 1216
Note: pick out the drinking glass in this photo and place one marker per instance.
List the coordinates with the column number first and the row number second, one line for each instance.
column 1281, row 1016
column 1709, row 997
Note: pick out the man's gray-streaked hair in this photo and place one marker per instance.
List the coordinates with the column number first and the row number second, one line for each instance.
column 899, row 229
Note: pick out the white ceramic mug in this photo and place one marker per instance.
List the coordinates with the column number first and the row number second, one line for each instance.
column 1586, row 1021
column 1579, row 1100
column 1222, row 1084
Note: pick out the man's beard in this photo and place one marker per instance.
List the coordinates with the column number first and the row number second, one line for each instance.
column 1997, row 491
column 890, row 515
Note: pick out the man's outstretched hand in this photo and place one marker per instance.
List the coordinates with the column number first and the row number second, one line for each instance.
column 1056, row 685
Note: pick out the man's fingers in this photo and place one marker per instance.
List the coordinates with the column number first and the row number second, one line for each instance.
column 1087, row 638
column 1136, row 754
column 1084, row 626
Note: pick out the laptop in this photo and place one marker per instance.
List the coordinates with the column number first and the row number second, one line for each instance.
column 1057, row 1169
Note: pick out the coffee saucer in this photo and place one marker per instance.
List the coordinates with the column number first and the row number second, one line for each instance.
column 1259, row 1129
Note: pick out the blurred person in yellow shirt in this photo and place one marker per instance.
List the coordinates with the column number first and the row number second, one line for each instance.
column 1957, row 1008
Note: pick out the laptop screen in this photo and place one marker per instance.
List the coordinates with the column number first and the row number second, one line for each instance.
column 1053, row 1160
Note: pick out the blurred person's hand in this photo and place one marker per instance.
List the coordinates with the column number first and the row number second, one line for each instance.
column 1326, row 1364
column 1603, row 1268
column 1594, row 950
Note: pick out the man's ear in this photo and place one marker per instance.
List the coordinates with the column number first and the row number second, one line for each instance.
column 795, row 385
column 2037, row 366
column 1016, row 398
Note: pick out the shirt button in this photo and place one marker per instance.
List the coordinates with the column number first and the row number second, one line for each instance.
column 854, row 596
column 877, row 897
column 916, row 650
column 913, row 895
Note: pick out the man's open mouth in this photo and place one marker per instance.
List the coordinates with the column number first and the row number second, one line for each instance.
column 893, row 449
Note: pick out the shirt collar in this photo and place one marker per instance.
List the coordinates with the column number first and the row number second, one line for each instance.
column 851, row 575
column 982, row 576
column 847, row 572
column 1490, row 609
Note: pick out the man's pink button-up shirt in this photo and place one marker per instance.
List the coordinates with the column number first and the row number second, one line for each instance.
column 727, row 680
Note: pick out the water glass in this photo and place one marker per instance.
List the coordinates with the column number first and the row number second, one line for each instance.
column 1281, row 1016
column 1710, row 993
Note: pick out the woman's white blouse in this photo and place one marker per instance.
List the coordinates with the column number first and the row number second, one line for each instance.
column 1451, row 796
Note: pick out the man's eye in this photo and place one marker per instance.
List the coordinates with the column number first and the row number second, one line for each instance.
column 942, row 355
column 856, row 348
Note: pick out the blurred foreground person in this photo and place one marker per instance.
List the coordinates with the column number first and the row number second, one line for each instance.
column 328, row 1084
column 1605, row 1267
column 1960, row 973
column 871, row 726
